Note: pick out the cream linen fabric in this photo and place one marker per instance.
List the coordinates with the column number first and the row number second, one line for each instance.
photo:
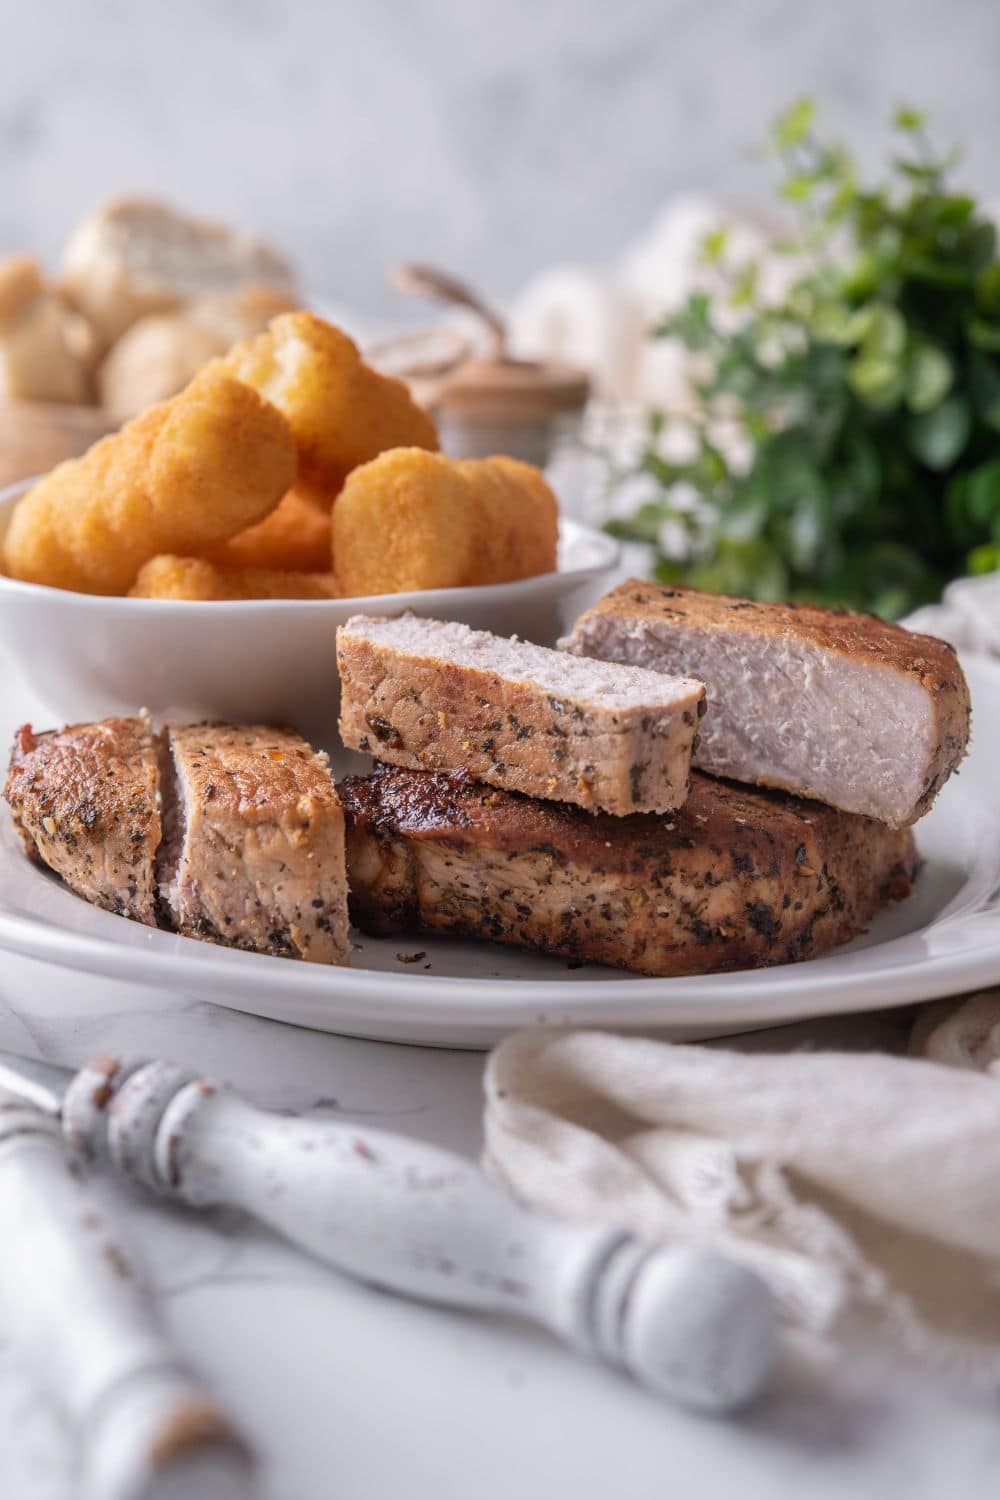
column 865, row 1188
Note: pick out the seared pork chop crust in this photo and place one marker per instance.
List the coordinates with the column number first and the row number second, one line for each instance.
column 253, row 852
column 433, row 695
column 846, row 708
column 84, row 801
column 734, row 879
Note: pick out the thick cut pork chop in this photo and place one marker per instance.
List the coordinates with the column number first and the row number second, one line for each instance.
column 863, row 715
column 736, row 878
column 253, row 847
column 85, row 803
column 434, row 695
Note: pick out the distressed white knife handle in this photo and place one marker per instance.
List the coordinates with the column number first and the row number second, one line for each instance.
column 71, row 1305
column 689, row 1323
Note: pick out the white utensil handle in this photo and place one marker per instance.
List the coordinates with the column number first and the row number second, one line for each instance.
column 71, row 1304
column 424, row 1222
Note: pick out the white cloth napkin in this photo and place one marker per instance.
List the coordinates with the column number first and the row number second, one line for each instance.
column 865, row 1188
column 968, row 615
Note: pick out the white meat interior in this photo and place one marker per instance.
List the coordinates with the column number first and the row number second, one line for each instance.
column 173, row 818
column 609, row 684
column 787, row 713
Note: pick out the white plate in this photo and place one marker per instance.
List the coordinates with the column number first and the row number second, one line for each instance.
column 944, row 939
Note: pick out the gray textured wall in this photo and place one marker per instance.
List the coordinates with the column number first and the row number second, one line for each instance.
column 495, row 137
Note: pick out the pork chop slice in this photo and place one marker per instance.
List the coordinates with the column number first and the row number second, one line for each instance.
column 734, row 879
column 434, row 695
column 85, row 803
column 253, row 847
column 848, row 709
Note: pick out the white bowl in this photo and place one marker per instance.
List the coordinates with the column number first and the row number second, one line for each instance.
column 269, row 660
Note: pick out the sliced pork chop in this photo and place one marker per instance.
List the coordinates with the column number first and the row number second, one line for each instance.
column 434, row 695
column 866, row 716
column 735, row 879
column 253, row 848
column 84, row 801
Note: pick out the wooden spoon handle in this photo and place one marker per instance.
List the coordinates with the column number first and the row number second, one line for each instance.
column 438, row 286
column 689, row 1323
column 72, row 1304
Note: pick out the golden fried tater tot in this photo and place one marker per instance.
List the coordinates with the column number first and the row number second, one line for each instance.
column 404, row 522
column 169, row 577
column 183, row 477
column 295, row 536
column 415, row 520
column 342, row 412
column 524, row 531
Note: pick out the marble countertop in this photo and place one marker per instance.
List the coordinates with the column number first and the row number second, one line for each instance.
column 346, row 1390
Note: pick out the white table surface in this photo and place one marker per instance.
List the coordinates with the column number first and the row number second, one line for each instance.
column 350, row 1394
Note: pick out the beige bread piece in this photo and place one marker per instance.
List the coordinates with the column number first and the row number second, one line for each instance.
column 253, row 842
column 161, row 352
column 736, row 878
column 137, row 256
column 857, row 713
column 81, row 339
column 37, row 357
column 151, row 362
column 21, row 284
column 434, row 695
column 241, row 314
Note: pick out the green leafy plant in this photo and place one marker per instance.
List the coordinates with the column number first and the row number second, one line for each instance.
column 847, row 447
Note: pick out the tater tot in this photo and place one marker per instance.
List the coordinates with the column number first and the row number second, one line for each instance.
column 403, row 522
column 414, row 520
column 170, row 577
column 295, row 537
column 527, row 523
column 342, row 412
column 519, row 519
column 182, row 478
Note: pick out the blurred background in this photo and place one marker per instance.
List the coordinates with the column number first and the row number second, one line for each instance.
column 499, row 136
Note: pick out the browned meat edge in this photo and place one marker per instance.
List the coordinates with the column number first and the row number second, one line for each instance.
column 735, row 879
